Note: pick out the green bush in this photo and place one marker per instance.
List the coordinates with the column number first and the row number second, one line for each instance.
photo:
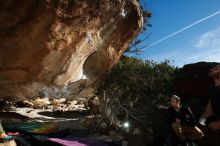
column 134, row 87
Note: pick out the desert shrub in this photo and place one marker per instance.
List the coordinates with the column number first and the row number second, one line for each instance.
column 134, row 88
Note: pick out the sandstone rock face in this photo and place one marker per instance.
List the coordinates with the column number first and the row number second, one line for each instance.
column 62, row 46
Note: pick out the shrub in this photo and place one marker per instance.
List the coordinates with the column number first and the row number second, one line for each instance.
column 134, row 87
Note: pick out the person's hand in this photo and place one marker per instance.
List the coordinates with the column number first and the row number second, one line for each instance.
column 177, row 121
column 3, row 135
column 215, row 125
column 202, row 121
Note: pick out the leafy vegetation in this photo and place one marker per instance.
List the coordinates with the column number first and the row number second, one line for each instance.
column 134, row 87
column 138, row 44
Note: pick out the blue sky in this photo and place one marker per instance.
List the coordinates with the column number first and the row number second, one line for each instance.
column 198, row 43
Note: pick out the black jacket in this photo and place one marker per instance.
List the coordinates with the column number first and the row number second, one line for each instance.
column 185, row 115
column 214, row 95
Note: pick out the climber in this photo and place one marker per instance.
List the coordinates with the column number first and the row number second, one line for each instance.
column 211, row 116
column 183, row 122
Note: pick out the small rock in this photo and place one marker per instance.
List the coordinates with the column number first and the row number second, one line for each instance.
column 5, row 105
column 40, row 102
column 104, row 138
column 87, row 122
column 94, row 105
column 13, row 108
column 57, row 102
column 81, row 100
column 72, row 104
column 81, row 106
column 24, row 103
column 103, row 125
column 116, row 137
column 136, row 131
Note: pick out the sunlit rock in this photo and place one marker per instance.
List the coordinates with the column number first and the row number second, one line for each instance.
column 62, row 43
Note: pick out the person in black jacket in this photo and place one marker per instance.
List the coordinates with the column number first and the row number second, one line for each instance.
column 182, row 121
column 212, row 112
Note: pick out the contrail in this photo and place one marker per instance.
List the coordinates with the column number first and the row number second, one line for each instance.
column 172, row 34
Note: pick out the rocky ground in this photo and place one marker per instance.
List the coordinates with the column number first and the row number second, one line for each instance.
column 78, row 117
column 82, row 117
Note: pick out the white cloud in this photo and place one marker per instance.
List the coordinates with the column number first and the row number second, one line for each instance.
column 206, row 48
column 209, row 39
column 211, row 55
column 209, row 47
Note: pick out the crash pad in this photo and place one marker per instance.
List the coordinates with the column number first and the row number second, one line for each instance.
column 77, row 141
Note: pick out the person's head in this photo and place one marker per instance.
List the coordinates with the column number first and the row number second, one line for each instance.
column 215, row 72
column 174, row 101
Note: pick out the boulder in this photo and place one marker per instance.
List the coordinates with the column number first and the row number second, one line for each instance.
column 62, row 48
column 193, row 81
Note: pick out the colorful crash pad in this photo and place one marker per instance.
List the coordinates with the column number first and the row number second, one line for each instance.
column 77, row 141
column 33, row 127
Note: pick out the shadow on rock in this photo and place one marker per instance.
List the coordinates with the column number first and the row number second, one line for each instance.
column 65, row 114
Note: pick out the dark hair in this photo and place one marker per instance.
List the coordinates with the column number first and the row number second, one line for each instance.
column 175, row 97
